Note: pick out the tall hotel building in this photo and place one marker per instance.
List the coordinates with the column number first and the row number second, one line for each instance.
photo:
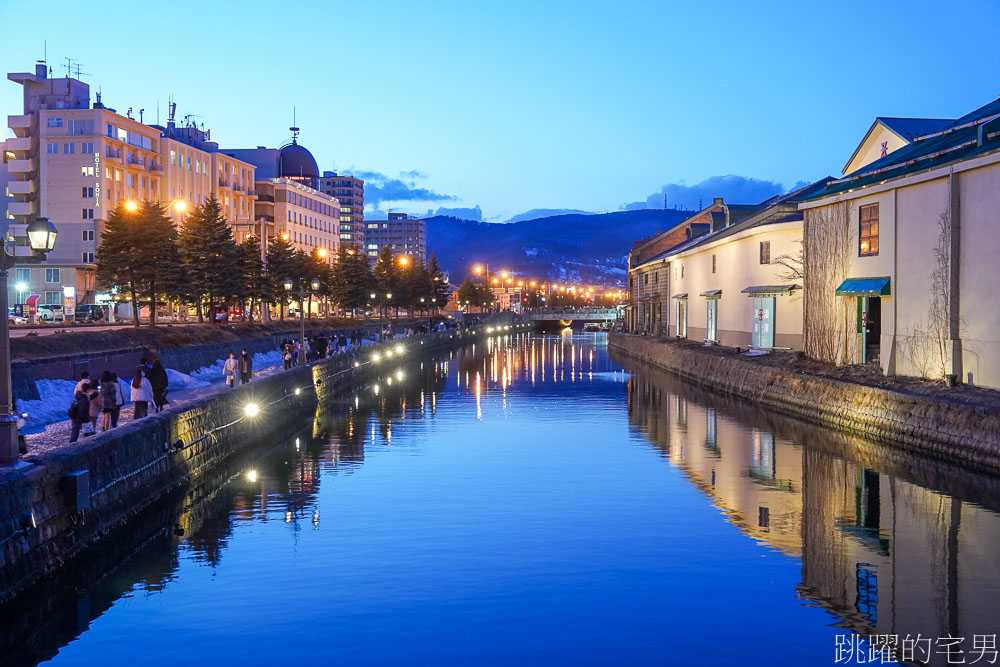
column 73, row 163
column 350, row 192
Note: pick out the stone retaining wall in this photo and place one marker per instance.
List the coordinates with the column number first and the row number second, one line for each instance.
column 944, row 429
column 116, row 474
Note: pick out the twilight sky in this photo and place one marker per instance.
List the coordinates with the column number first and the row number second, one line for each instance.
column 524, row 104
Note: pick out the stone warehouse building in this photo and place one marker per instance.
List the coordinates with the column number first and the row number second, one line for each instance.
column 901, row 257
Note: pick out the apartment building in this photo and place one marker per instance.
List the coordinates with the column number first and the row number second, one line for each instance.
column 72, row 163
column 309, row 217
column 401, row 233
column 350, row 192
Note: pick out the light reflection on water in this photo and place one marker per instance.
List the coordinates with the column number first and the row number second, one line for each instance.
column 526, row 499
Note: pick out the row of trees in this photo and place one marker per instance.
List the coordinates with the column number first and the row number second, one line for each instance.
column 143, row 255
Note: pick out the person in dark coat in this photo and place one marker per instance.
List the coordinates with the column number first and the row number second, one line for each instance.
column 246, row 367
column 157, row 376
column 321, row 344
column 79, row 414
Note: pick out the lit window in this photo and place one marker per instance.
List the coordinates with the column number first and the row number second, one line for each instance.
column 868, row 232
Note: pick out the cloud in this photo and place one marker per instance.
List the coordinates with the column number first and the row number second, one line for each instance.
column 734, row 189
column 474, row 213
column 381, row 188
column 412, row 174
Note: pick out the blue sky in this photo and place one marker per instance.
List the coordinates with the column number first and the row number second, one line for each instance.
column 520, row 105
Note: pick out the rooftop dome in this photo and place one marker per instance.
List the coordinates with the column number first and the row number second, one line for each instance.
column 297, row 162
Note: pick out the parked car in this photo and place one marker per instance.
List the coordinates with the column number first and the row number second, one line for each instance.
column 13, row 318
column 50, row 312
column 90, row 312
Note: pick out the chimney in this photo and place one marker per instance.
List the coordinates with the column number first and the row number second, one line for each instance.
column 41, row 69
column 717, row 201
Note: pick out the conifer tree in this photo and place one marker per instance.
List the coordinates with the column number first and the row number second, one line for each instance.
column 211, row 257
column 160, row 270
column 440, row 289
column 119, row 258
column 280, row 267
column 252, row 267
column 387, row 279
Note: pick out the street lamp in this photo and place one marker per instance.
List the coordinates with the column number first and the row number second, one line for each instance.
column 303, row 294
column 41, row 238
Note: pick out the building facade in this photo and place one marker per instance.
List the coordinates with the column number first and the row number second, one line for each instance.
column 901, row 258
column 404, row 235
column 350, row 193
column 73, row 163
column 649, row 304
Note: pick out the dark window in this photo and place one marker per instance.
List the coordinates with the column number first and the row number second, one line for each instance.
column 765, row 252
column 868, row 231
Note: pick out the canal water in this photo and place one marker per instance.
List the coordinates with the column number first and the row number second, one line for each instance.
column 529, row 500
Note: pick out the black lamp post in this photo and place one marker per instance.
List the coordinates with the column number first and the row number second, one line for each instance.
column 41, row 238
column 303, row 294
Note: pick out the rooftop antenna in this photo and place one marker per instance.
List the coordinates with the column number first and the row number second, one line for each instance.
column 171, row 109
column 140, row 114
column 294, row 129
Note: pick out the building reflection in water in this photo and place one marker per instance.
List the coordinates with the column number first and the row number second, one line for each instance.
column 891, row 543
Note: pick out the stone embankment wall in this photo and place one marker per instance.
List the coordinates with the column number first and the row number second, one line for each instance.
column 946, row 429
column 184, row 359
column 55, row 505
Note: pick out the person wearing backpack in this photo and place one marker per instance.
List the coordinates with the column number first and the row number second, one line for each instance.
column 79, row 414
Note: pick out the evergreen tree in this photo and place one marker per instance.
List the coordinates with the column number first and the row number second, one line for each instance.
column 118, row 256
column 351, row 278
column 417, row 287
column 440, row 290
column 387, row 278
column 160, row 270
column 252, row 268
column 280, row 267
column 469, row 293
column 211, row 256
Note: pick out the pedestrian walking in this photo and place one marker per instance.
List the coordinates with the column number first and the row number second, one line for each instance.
column 142, row 393
column 321, row 346
column 109, row 397
column 158, row 381
column 119, row 400
column 341, row 343
column 305, row 349
column 79, row 413
column 229, row 370
column 94, row 394
column 286, row 355
column 246, row 367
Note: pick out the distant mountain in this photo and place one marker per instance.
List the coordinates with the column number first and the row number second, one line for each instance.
column 536, row 213
column 588, row 248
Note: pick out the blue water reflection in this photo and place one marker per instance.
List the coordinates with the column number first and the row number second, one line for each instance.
column 526, row 500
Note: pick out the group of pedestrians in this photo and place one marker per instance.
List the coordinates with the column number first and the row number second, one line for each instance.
column 241, row 367
column 103, row 398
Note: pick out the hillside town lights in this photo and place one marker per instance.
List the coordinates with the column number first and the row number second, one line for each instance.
column 42, row 239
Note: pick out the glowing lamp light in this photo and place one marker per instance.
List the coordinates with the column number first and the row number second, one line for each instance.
column 314, row 284
column 41, row 235
column 376, row 357
column 388, row 354
column 251, row 476
column 298, row 390
column 180, row 205
column 372, row 295
column 251, row 409
column 403, row 261
column 284, row 236
column 322, row 253
column 399, row 349
column 131, row 205
column 288, row 285
column 399, row 375
column 356, row 364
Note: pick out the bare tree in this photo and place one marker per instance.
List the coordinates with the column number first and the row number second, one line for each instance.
column 829, row 326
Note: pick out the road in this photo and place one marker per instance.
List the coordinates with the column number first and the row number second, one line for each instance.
column 46, row 329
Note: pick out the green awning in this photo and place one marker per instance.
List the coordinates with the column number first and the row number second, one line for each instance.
column 864, row 287
column 712, row 294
